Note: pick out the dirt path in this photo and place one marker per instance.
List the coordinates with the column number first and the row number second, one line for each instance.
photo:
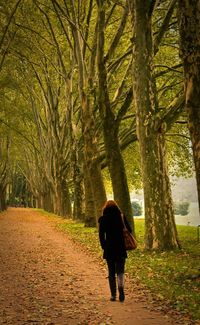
column 45, row 278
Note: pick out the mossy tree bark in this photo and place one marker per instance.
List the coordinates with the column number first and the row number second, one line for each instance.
column 111, row 124
column 78, row 194
column 189, row 27
column 160, row 228
column 93, row 168
column 4, row 171
column 2, row 198
column 90, row 220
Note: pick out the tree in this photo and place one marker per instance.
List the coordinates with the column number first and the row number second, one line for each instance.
column 68, row 94
column 160, row 228
column 78, row 40
column 111, row 121
column 189, row 28
column 43, row 161
column 4, row 171
column 6, row 15
column 5, row 42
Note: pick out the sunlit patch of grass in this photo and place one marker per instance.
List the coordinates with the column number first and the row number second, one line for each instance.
column 173, row 277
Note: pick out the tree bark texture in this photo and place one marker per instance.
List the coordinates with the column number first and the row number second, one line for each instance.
column 90, row 144
column 90, row 220
column 4, row 171
column 160, row 228
column 2, row 199
column 114, row 157
column 78, row 207
column 189, row 27
column 47, row 201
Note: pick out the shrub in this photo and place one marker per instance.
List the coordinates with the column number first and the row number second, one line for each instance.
column 136, row 208
column 181, row 208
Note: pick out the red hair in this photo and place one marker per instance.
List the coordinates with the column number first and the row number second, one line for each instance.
column 110, row 204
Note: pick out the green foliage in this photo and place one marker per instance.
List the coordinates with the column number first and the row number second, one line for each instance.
column 136, row 208
column 172, row 277
column 107, row 180
column 179, row 151
column 181, row 208
column 132, row 163
column 50, row 58
column 19, row 194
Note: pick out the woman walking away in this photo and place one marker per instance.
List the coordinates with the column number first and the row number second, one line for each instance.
column 112, row 242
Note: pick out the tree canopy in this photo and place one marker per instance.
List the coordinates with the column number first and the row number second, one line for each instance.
column 77, row 120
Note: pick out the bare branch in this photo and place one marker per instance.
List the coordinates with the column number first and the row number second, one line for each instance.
column 167, row 70
column 9, row 22
column 126, row 104
column 118, row 34
column 164, row 26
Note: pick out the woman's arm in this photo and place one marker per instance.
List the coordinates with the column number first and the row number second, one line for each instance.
column 102, row 235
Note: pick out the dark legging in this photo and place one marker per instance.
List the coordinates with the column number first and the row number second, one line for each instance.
column 115, row 267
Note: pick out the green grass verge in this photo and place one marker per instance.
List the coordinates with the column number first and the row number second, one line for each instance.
column 172, row 276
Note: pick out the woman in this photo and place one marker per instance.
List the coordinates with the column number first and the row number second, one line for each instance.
column 112, row 242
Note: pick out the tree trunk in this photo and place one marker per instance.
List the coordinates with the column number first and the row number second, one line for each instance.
column 114, row 157
column 78, row 187
column 189, row 27
column 88, row 127
column 39, row 202
column 78, row 207
column 2, row 199
column 117, row 170
column 62, row 199
column 48, row 204
column 66, row 200
column 93, row 166
column 160, row 230
column 90, row 220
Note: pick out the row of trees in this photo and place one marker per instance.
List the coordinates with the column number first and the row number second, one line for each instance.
column 81, row 83
column 180, row 208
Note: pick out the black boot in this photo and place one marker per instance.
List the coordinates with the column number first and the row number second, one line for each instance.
column 113, row 289
column 120, row 280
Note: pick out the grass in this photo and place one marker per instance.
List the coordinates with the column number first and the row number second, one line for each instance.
column 173, row 277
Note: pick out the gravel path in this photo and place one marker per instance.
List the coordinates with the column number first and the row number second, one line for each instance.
column 46, row 278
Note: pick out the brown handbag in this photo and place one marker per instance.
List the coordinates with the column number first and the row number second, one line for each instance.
column 129, row 240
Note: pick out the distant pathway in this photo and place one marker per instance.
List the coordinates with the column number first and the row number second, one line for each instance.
column 45, row 278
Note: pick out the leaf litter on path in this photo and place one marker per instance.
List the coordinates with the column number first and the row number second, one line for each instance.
column 46, row 278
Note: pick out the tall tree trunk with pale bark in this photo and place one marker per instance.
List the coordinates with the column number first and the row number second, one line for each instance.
column 189, row 27
column 78, row 194
column 93, row 167
column 160, row 228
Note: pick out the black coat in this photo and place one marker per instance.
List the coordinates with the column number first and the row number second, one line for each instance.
column 111, row 235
